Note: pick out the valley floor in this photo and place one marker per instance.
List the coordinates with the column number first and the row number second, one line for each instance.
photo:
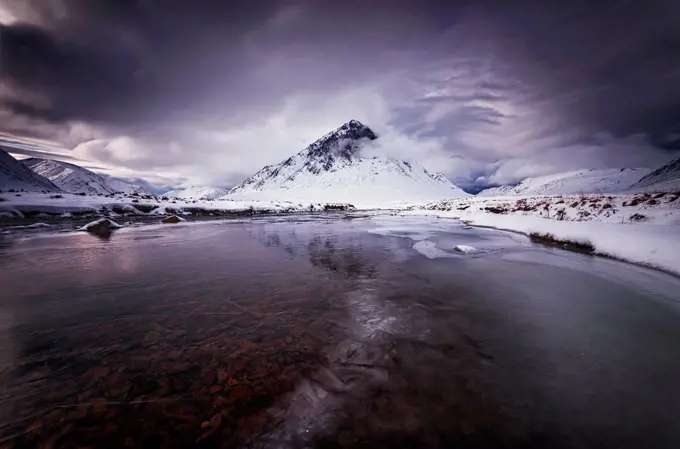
column 641, row 228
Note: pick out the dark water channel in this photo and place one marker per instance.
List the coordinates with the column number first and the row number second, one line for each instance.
column 328, row 332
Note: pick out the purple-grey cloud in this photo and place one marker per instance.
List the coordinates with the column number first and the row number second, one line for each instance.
column 209, row 91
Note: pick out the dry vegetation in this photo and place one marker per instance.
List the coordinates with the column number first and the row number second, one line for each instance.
column 584, row 207
column 551, row 240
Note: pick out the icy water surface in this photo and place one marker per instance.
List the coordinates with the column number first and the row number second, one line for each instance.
column 328, row 332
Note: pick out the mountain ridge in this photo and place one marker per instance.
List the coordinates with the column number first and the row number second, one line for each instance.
column 197, row 192
column 666, row 177
column 572, row 182
column 16, row 176
column 73, row 178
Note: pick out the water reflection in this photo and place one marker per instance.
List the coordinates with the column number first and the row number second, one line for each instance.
column 348, row 256
column 318, row 334
column 380, row 384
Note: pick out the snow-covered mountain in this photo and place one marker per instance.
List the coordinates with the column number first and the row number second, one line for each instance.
column 573, row 182
column 16, row 176
column 75, row 179
column 333, row 170
column 665, row 178
column 197, row 192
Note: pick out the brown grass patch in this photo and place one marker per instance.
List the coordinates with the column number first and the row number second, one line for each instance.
column 571, row 245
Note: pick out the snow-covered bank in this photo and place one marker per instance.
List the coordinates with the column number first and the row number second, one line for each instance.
column 32, row 204
column 641, row 228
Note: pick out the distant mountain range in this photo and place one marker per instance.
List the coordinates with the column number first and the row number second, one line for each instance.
column 333, row 170
column 572, row 182
column 197, row 192
column 46, row 175
column 16, row 176
column 72, row 178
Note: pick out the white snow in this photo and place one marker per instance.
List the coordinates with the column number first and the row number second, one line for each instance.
column 572, row 182
column 466, row 249
column 613, row 230
column 76, row 204
column 173, row 219
column 75, row 179
column 365, row 183
column 197, row 192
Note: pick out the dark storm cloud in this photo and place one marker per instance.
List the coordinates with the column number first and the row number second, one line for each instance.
column 44, row 155
column 126, row 61
column 488, row 91
column 118, row 61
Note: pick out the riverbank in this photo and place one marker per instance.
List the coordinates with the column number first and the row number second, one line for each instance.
column 638, row 228
column 30, row 205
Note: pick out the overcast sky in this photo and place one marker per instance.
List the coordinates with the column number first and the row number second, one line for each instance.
column 181, row 92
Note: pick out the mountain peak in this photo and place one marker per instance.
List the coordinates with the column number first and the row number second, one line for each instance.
column 333, row 169
column 341, row 144
column 356, row 130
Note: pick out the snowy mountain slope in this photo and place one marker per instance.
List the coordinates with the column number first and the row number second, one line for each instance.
column 332, row 169
column 665, row 178
column 572, row 182
column 75, row 179
column 441, row 178
column 16, row 176
column 197, row 192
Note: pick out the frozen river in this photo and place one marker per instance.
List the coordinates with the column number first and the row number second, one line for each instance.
column 331, row 331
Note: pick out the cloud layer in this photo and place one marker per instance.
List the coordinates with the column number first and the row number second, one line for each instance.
column 207, row 92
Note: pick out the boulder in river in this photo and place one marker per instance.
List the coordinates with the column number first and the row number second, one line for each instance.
column 103, row 227
column 465, row 249
column 173, row 219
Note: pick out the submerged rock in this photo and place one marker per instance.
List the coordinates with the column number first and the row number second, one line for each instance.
column 465, row 249
column 173, row 219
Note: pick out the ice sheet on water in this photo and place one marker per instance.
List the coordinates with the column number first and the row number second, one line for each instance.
column 32, row 226
column 402, row 232
column 429, row 249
